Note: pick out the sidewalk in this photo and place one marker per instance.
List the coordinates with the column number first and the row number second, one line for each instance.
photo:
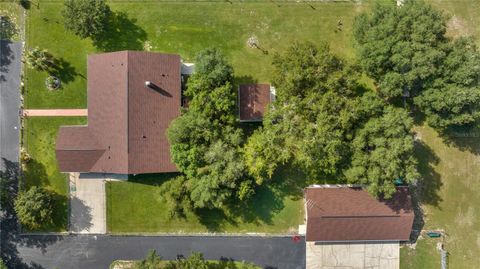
column 54, row 112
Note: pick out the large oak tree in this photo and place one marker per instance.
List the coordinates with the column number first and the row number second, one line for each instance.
column 317, row 120
column 205, row 142
column 406, row 51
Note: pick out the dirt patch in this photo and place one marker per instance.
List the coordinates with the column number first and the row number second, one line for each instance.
column 465, row 219
column 457, row 27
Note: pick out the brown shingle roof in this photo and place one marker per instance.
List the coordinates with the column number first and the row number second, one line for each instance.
column 254, row 99
column 127, row 121
column 351, row 214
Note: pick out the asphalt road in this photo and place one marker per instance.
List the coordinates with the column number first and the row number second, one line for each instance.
column 10, row 56
column 98, row 252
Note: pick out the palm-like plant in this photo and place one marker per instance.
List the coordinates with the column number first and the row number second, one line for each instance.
column 39, row 59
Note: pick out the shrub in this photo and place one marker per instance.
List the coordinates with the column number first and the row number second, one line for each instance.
column 39, row 59
column 52, row 82
column 34, row 207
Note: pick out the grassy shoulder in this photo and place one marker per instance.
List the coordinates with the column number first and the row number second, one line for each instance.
column 276, row 208
column 42, row 170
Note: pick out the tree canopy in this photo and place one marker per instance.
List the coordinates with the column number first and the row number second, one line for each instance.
column 34, row 207
column 406, row 51
column 205, row 142
column 383, row 151
column 193, row 261
column 315, row 123
column 210, row 89
column 86, row 18
column 151, row 261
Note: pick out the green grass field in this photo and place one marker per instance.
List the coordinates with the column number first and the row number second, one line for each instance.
column 450, row 200
column 184, row 28
column 42, row 170
column 274, row 209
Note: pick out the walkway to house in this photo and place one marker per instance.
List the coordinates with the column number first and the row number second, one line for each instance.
column 54, row 112
column 87, row 203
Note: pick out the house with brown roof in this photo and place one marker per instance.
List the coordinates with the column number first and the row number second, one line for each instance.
column 132, row 98
column 346, row 226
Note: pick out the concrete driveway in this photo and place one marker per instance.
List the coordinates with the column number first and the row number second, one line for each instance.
column 359, row 255
column 87, row 204
column 10, row 66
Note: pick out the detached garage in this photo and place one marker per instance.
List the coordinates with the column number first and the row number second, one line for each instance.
column 348, row 228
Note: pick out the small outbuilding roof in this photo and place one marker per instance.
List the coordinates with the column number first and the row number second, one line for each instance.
column 343, row 214
column 254, row 99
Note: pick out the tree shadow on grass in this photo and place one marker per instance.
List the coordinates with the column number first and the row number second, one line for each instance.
column 213, row 219
column 267, row 202
column 464, row 138
column 35, row 174
column 245, row 79
column 425, row 192
column 152, row 179
column 121, row 34
column 430, row 182
column 64, row 71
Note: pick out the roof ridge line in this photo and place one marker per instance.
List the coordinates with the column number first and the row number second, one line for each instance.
column 128, row 111
column 362, row 216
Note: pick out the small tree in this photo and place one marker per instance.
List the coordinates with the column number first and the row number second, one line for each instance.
column 39, row 59
column 86, row 18
column 152, row 261
column 34, row 207
column 194, row 261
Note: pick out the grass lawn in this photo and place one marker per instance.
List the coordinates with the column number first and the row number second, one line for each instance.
column 42, row 170
column 450, row 200
column 184, row 28
column 425, row 255
column 274, row 209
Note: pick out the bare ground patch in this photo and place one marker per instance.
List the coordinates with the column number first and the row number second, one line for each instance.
column 457, row 27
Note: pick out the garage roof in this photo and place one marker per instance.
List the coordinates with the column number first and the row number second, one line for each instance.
column 127, row 121
column 341, row 213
